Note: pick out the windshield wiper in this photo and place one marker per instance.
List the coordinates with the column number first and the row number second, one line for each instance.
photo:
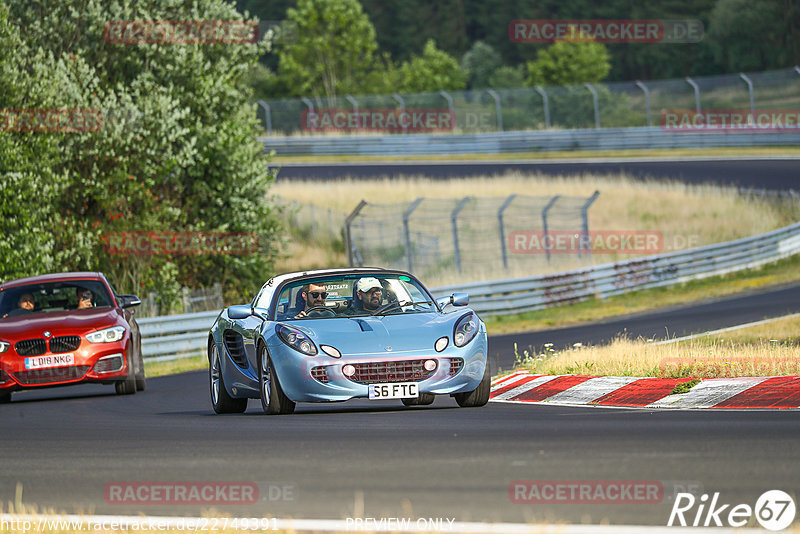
column 397, row 304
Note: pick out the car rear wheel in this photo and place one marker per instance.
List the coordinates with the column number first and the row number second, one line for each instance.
column 424, row 399
column 127, row 386
column 220, row 399
column 141, row 382
column 478, row 396
column 273, row 400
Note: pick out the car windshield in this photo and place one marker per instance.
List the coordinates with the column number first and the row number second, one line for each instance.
column 53, row 297
column 352, row 295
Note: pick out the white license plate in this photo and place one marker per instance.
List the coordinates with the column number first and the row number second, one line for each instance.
column 56, row 360
column 395, row 390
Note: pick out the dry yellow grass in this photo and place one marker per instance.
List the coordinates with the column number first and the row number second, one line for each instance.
column 770, row 349
column 686, row 216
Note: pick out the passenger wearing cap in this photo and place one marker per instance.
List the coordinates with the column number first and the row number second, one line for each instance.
column 369, row 293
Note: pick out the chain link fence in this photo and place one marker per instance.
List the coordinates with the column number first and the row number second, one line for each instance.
column 443, row 239
column 600, row 105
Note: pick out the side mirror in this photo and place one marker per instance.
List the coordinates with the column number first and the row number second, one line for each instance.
column 456, row 299
column 128, row 301
column 459, row 299
column 239, row 312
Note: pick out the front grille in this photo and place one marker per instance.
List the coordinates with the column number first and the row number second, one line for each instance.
column 455, row 365
column 31, row 347
column 235, row 345
column 402, row 371
column 55, row 374
column 64, row 344
column 320, row 373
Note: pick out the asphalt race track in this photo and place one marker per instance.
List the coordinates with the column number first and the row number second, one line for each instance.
column 771, row 173
column 65, row 445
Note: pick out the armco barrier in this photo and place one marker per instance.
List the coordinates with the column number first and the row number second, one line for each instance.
column 522, row 141
column 173, row 336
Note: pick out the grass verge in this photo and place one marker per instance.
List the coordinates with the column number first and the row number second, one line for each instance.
column 770, row 349
column 171, row 367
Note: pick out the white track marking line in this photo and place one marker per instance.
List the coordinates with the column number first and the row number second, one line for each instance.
column 708, row 393
column 189, row 524
column 519, row 390
column 592, row 389
column 723, row 330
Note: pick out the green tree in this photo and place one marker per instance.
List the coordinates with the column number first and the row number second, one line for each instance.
column 507, row 78
column 334, row 51
column 568, row 62
column 434, row 70
column 750, row 36
column 177, row 148
column 479, row 64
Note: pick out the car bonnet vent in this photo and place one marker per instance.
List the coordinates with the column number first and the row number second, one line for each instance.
column 235, row 346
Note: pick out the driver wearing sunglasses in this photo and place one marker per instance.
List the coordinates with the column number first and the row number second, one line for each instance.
column 314, row 295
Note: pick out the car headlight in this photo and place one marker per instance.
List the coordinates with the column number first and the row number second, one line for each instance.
column 441, row 343
column 108, row 335
column 297, row 340
column 4, row 346
column 465, row 330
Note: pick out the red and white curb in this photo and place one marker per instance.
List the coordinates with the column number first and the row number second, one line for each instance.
column 781, row 392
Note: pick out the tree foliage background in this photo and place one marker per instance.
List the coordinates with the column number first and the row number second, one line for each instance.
column 739, row 36
column 177, row 150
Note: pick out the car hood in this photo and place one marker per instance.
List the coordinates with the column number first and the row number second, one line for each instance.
column 58, row 323
column 362, row 335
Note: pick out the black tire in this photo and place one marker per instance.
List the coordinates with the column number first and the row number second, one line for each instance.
column 220, row 398
column 141, row 381
column 127, row 386
column 424, row 399
column 478, row 396
column 273, row 400
column 5, row 398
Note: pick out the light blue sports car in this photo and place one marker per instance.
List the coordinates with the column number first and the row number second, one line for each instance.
column 338, row 334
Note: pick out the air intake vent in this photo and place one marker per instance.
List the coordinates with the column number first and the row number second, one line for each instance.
column 235, row 346
column 31, row 347
column 64, row 344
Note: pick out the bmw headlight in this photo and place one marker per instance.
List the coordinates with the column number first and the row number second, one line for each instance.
column 296, row 339
column 108, row 335
column 4, row 346
column 465, row 330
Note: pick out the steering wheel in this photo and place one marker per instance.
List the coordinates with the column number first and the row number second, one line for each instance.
column 320, row 311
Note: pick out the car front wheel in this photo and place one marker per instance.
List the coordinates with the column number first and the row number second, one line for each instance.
column 424, row 399
column 220, row 399
column 273, row 400
column 127, row 386
column 478, row 396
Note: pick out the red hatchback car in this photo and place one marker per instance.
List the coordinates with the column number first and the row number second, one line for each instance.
column 69, row 328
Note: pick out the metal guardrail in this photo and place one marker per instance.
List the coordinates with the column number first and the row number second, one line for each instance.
column 185, row 335
column 523, row 141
